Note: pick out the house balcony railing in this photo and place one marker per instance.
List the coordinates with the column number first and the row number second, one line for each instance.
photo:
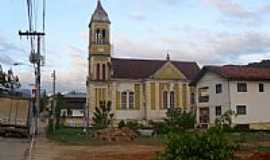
column 203, row 99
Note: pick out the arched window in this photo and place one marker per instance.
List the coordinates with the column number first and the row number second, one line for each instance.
column 104, row 35
column 165, row 100
column 103, row 71
column 97, row 36
column 172, row 99
column 98, row 72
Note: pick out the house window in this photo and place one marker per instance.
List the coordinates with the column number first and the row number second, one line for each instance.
column 165, row 100
column 98, row 71
column 203, row 95
column 218, row 111
column 241, row 87
column 218, row 88
column 131, row 100
column 172, row 99
column 261, row 87
column 103, row 71
column 241, row 109
column 124, row 100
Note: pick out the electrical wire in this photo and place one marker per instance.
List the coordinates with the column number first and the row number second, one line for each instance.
column 43, row 28
column 44, row 15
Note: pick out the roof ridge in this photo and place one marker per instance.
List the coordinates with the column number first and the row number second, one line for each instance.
column 146, row 59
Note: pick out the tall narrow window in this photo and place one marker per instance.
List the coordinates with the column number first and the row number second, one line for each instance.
column 103, row 35
column 104, row 72
column 131, row 100
column 97, row 36
column 124, row 100
column 172, row 100
column 98, row 72
column 165, row 100
column 261, row 87
column 218, row 111
column 218, row 88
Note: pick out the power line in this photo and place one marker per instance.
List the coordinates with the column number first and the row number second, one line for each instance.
column 35, row 54
column 44, row 15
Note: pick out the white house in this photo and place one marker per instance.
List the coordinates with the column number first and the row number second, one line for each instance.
column 244, row 90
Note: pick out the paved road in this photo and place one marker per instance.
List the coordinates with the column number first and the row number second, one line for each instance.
column 13, row 149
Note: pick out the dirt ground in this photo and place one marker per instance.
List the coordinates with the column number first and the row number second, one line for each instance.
column 123, row 152
column 45, row 149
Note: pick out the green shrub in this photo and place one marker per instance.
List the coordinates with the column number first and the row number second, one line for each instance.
column 211, row 145
column 121, row 124
column 102, row 116
column 134, row 125
column 225, row 120
column 177, row 120
column 160, row 128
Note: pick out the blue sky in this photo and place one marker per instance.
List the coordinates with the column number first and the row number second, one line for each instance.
column 205, row 31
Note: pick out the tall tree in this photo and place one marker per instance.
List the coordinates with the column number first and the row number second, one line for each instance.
column 9, row 80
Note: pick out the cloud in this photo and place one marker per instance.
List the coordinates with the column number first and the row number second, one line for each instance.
column 231, row 8
column 237, row 13
column 71, row 70
column 206, row 48
column 5, row 59
column 73, row 75
column 8, row 48
column 138, row 16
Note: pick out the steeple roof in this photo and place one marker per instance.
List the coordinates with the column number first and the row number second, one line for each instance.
column 100, row 15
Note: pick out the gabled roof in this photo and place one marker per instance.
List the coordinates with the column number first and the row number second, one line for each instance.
column 142, row 69
column 74, row 94
column 232, row 72
column 100, row 15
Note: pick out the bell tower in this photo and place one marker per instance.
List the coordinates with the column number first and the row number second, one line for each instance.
column 99, row 45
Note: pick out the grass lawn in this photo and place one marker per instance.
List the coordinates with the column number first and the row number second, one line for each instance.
column 251, row 140
column 256, row 141
column 76, row 136
column 249, row 136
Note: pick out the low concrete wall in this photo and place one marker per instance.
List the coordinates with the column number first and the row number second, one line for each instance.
column 74, row 122
column 260, row 126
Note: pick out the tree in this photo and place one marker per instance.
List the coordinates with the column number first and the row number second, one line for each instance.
column 9, row 80
column 2, row 76
column 178, row 120
column 210, row 145
column 59, row 105
column 103, row 117
column 44, row 101
column 225, row 121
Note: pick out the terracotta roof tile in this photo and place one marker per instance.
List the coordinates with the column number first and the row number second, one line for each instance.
column 236, row 73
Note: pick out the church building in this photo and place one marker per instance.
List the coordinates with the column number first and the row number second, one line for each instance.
column 138, row 89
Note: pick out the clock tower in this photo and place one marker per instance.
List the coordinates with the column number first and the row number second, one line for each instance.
column 99, row 45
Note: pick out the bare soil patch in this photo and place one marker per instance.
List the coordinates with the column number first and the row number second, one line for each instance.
column 112, row 152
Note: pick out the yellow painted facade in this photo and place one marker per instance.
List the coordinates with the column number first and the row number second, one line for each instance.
column 168, row 72
column 150, row 96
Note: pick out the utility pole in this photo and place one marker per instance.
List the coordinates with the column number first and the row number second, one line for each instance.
column 54, row 101
column 35, row 59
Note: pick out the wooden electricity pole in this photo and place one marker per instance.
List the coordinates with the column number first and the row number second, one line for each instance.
column 35, row 54
column 54, row 101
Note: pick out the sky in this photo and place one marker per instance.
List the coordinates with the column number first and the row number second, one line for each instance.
column 210, row 32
